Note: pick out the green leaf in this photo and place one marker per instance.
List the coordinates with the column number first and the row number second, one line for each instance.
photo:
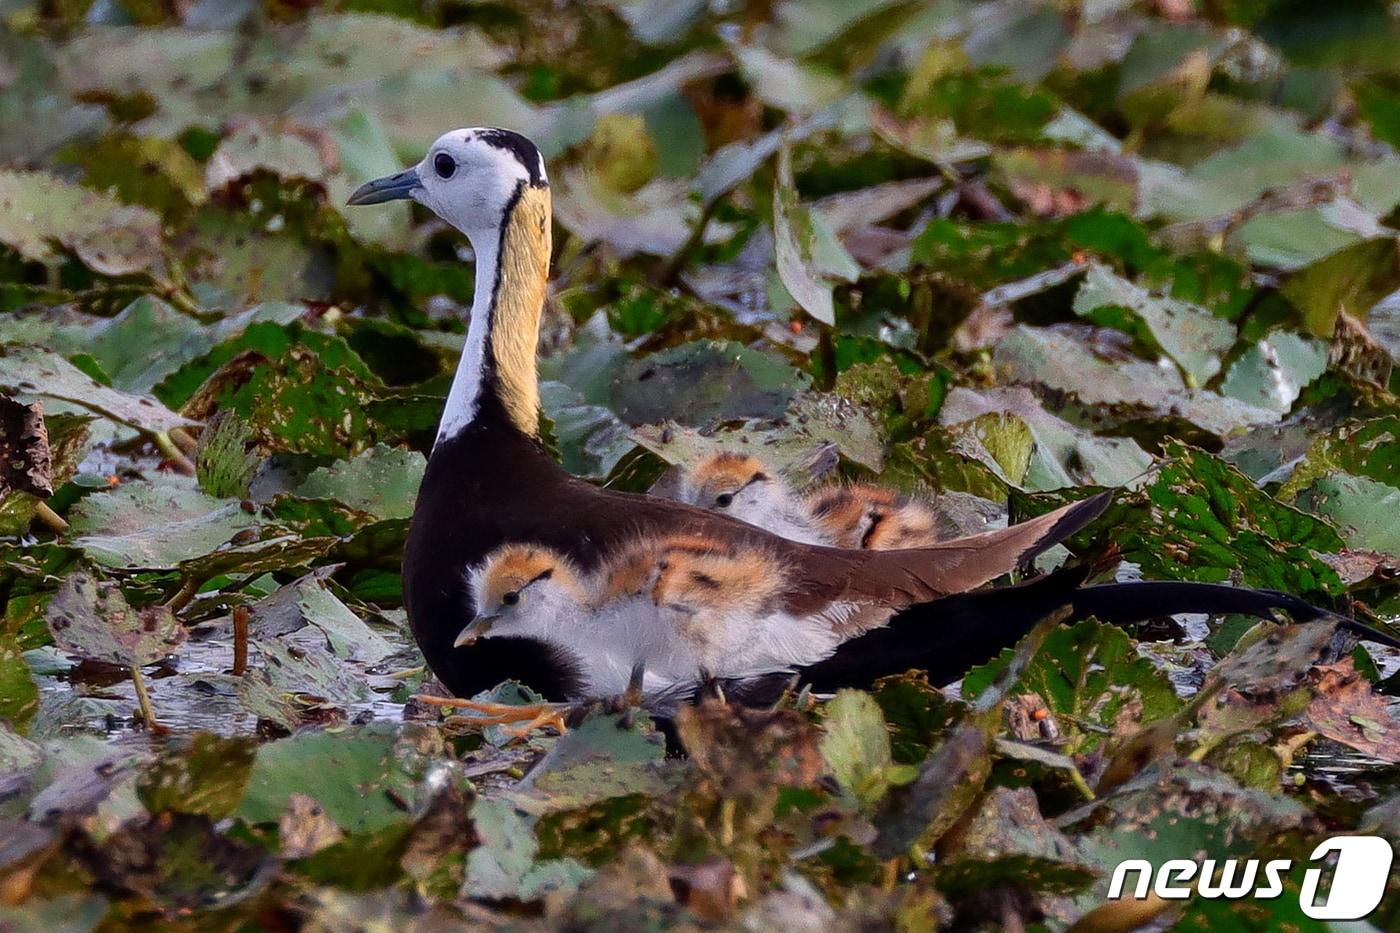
column 1189, row 334
column 38, row 210
column 1274, row 371
column 1089, row 675
column 363, row 777
column 19, row 695
column 158, row 525
column 1363, row 509
column 93, row 620
column 206, row 776
column 381, row 481
column 808, row 254
column 28, row 371
column 855, row 745
column 1350, row 280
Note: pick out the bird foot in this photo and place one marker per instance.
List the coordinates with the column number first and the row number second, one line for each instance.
column 531, row 716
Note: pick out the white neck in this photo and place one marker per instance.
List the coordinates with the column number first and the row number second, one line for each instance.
column 465, row 395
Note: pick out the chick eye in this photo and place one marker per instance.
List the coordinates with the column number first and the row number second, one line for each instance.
column 444, row 165
column 724, row 500
column 511, row 598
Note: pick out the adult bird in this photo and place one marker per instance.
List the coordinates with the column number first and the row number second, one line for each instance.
column 490, row 482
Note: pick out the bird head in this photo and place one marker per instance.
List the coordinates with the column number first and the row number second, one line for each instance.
column 469, row 178
column 519, row 590
column 735, row 484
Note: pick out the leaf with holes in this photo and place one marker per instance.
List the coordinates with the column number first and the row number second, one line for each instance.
column 92, row 619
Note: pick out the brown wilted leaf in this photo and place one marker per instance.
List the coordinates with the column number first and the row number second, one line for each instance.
column 1346, row 710
column 745, row 750
column 25, row 460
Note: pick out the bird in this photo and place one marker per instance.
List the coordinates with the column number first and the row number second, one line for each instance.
column 745, row 487
column 846, row 515
column 683, row 609
column 491, row 482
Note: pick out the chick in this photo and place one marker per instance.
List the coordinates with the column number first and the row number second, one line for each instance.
column 743, row 486
column 872, row 518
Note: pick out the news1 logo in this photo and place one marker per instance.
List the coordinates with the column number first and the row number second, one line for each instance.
column 1358, row 881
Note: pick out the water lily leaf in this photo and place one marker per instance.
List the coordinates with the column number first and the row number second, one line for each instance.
column 31, row 372
column 381, row 481
column 788, row 85
column 1089, row 675
column 1063, row 454
column 703, row 381
column 1273, row 372
column 304, row 675
column 1370, row 449
column 157, row 525
column 809, row 256
column 601, row 758
column 362, row 777
column 1209, row 522
column 38, row 210
column 801, row 445
column 207, row 776
column 855, row 745
column 1189, row 334
column 590, row 439
column 503, row 865
column 19, row 694
column 1363, row 509
column 1350, row 280
column 198, row 77
column 296, row 402
column 92, row 619
column 308, row 602
column 1057, row 361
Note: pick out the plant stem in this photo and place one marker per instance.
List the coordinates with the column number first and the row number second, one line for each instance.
column 172, row 453
column 240, row 639
column 188, row 587
column 51, row 518
column 672, row 270
column 143, row 698
column 183, row 441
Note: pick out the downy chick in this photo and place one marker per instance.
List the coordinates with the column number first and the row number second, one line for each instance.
column 744, row 487
column 872, row 518
column 529, row 591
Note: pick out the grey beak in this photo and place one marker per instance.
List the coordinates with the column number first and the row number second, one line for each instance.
column 389, row 188
column 474, row 630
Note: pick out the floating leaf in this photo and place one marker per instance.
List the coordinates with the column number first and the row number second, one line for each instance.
column 381, row 481
column 38, row 210
column 1189, row 334
column 1091, row 677
column 93, row 620
column 158, row 525
column 33, row 372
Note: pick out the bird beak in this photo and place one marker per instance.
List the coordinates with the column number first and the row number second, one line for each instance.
column 389, row 188
column 474, row 630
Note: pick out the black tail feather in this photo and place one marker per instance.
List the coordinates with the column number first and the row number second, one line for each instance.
column 948, row 636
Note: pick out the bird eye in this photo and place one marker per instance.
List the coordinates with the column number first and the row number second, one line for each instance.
column 444, row 165
column 511, row 598
column 724, row 500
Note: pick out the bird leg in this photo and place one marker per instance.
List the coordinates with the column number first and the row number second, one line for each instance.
column 533, row 715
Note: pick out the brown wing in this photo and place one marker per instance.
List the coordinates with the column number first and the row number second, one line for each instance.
column 822, row 576
column 899, row 578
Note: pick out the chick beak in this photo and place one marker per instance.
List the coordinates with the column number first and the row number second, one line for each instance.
column 474, row 629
